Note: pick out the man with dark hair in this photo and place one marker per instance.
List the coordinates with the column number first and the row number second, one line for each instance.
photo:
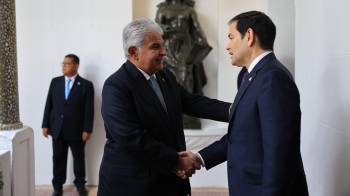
column 68, row 118
column 262, row 146
column 74, row 58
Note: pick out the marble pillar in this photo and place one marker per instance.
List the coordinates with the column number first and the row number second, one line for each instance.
column 9, row 110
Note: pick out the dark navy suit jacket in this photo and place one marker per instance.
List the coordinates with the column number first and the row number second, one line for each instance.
column 143, row 139
column 262, row 146
column 69, row 118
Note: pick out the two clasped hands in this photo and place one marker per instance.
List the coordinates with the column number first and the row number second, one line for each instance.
column 187, row 164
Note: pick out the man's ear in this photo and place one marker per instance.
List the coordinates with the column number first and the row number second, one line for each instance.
column 250, row 36
column 76, row 67
column 133, row 52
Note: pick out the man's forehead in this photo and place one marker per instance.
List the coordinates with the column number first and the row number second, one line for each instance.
column 232, row 27
column 232, row 30
column 68, row 59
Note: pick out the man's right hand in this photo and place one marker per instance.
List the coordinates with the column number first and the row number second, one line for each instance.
column 188, row 164
column 46, row 132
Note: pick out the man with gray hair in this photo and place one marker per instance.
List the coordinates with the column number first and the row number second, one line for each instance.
column 142, row 107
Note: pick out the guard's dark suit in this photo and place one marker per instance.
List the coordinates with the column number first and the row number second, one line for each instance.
column 66, row 120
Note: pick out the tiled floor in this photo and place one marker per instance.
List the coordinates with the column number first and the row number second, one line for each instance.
column 71, row 191
column 209, row 192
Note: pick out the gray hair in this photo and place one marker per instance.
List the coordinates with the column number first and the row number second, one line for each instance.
column 134, row 33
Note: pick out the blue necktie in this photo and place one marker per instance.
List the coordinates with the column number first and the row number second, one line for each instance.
column 156, row 89
column 67, row 89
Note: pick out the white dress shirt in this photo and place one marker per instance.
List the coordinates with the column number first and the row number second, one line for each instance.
column 147, row 76
column 256, row 60
column 72, row 79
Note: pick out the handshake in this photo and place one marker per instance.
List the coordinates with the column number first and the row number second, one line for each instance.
column 187, row 164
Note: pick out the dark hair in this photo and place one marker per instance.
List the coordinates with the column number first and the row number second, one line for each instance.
column 74, row 57
column 260, row 23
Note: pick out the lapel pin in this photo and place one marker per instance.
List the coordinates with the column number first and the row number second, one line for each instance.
column 78, row 83
column 250, row 79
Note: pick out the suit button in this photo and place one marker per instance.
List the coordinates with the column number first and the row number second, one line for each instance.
column 62, row 115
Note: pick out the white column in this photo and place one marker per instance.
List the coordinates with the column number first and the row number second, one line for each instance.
column 9, row 112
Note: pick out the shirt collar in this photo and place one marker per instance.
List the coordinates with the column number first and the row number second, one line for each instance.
column 256, row 60
column 71, row 78
column 146, row 75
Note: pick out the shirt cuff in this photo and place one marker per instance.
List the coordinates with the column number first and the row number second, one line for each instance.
column 200, row 157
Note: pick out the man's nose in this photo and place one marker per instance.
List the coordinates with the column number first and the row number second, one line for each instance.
column 163, row 51
column 227, row 47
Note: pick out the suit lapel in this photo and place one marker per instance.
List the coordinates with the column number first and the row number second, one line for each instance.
column 250, row 77
column 62, row 86
column 146, row 92
column 75, row 86
column 144, row 87
column 170, row 101
column 240, row 93
column 165, row 91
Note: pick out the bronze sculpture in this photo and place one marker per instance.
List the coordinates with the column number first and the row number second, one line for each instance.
column 186, row 47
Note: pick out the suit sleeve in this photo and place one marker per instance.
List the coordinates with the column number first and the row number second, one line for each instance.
column 89, row 108
column 279, row 111
column 48, row 108
column 201, row 106
column 215, row 154
column 124, row 127
column 204, row 107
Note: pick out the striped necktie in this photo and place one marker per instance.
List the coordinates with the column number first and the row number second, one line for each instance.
column 155, row 86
